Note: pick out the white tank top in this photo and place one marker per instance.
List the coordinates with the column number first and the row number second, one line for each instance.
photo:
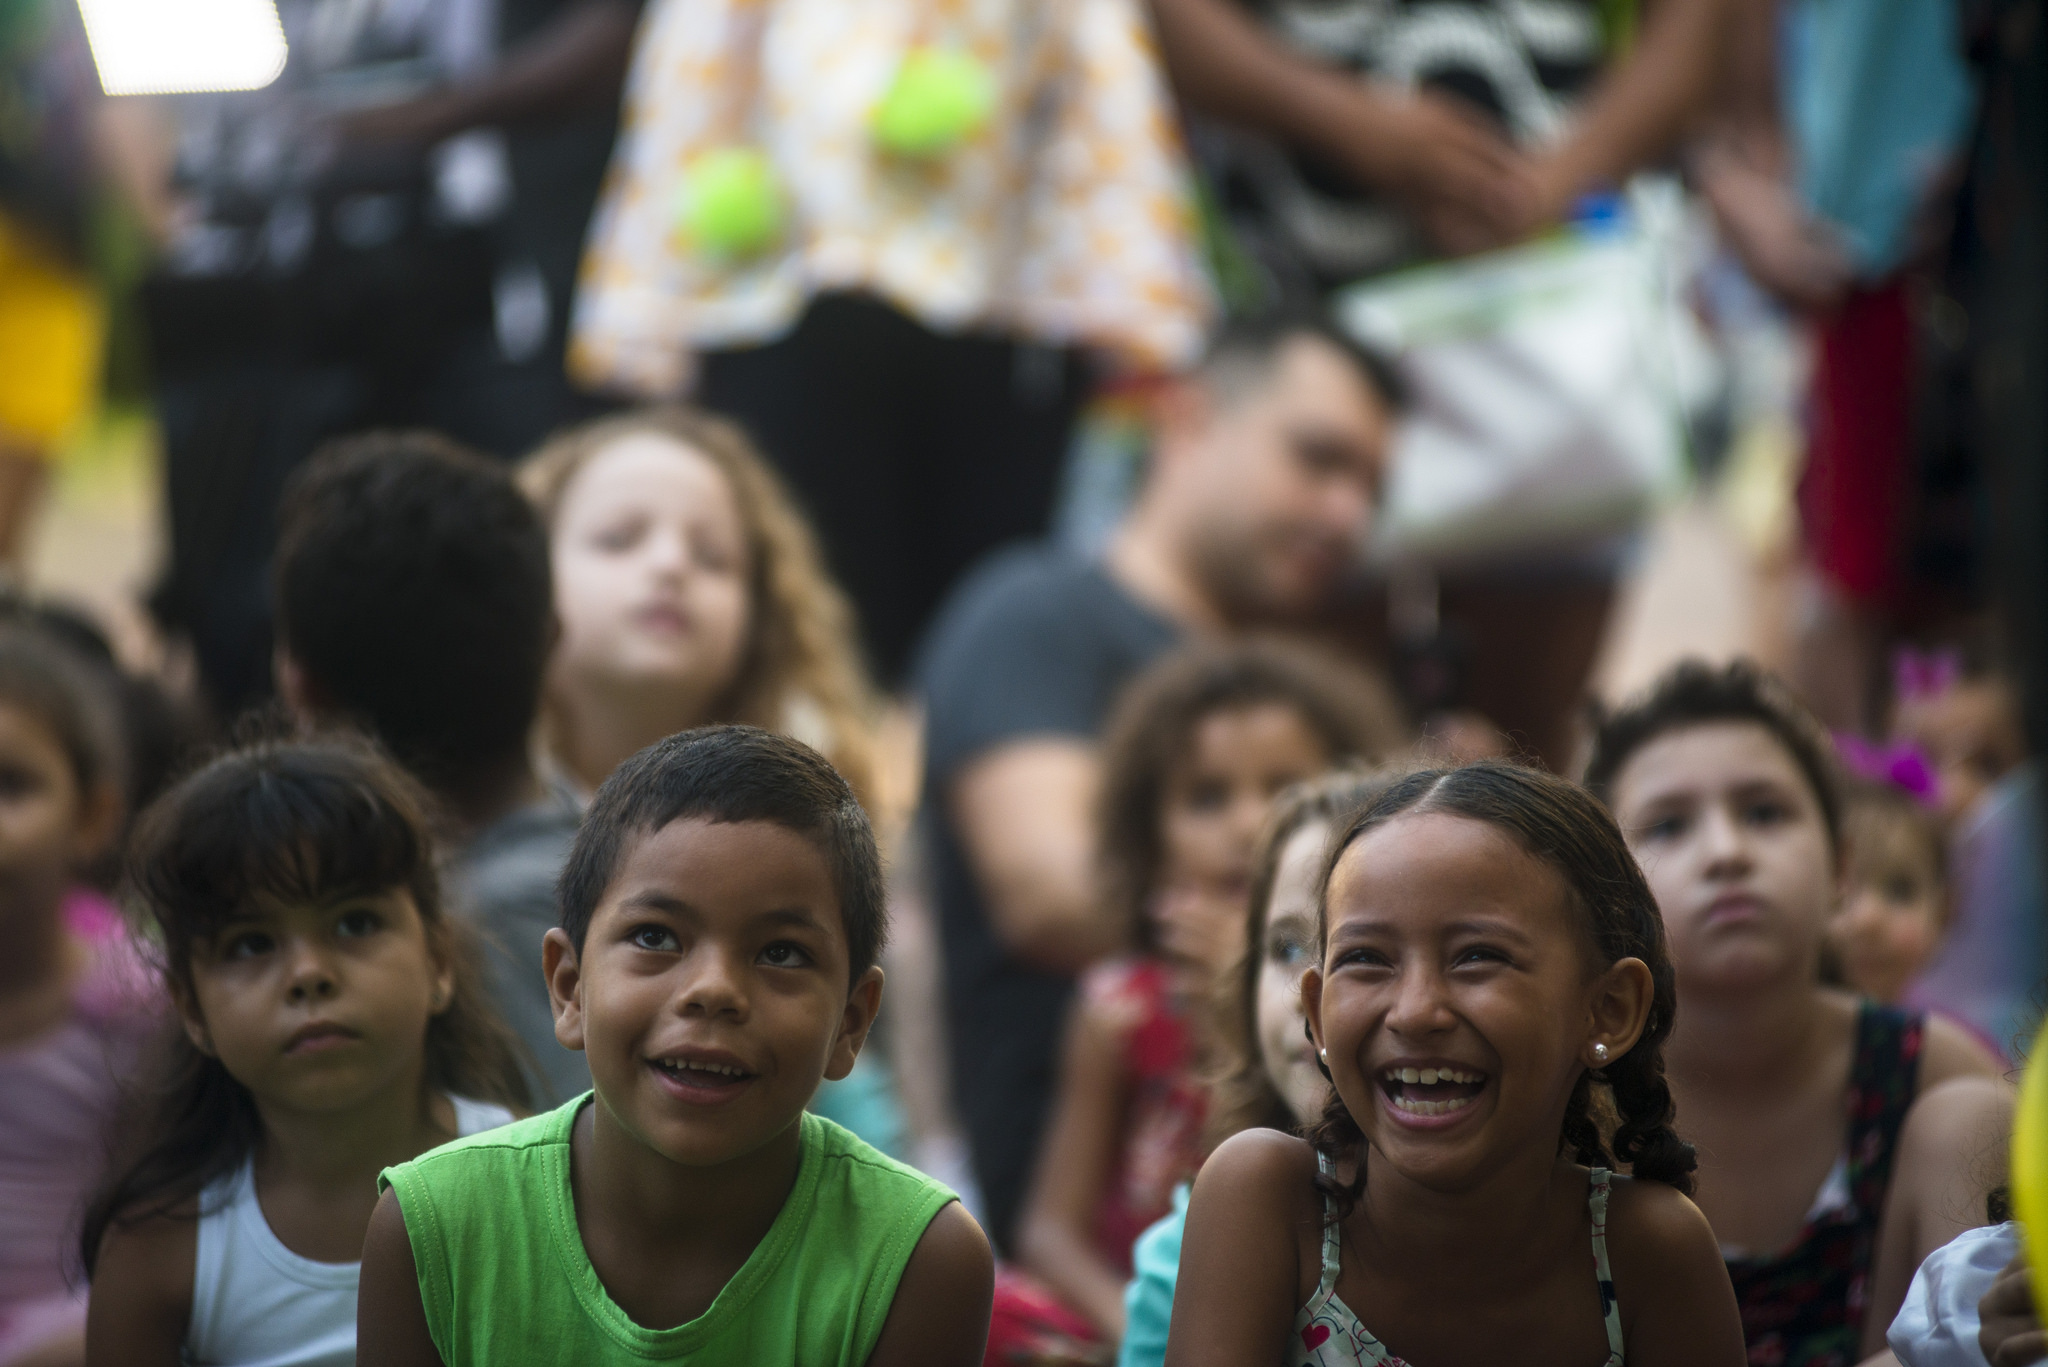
column 255, row 1303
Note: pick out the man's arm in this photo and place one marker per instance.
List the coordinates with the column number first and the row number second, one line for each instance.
column 576, row 62
column 1446, row 164
column 1642, row 106
column 1025, row 815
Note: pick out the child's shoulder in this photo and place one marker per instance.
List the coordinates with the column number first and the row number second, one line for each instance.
column 1656, row 1233
column 502, row 1146
column 844, row 1159
column 1267, row 1168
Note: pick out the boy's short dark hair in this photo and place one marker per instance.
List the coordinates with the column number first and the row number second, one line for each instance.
column 1695, row 693
column 413, row 587
column 732, row 774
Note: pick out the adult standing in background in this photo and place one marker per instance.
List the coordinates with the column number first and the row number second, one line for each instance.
column 905, row 340
column 384, row 236
column 1263, row 478
column 1347, row 138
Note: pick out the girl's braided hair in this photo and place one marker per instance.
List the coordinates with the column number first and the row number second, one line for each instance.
column 1619, row 1115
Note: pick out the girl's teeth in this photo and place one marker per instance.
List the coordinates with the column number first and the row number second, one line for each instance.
column 1430, row 1076
column 1415, row 1107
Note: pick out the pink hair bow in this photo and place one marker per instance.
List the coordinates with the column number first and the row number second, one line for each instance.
column 1918, row 675
column 1901, row 765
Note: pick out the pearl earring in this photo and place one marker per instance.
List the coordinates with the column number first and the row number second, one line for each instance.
column 1600, row 1052
column 1324, row 1053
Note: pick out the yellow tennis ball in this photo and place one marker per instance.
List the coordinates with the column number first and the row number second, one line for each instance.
column 729, row 204
column 940, row 98
column 2030, row 1164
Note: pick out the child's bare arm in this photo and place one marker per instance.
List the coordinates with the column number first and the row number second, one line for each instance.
column 1240, row 1260
column 1055, row 1238
column 142, row 1294
column 1952, row 1151
column 391, row 1323
column 1677, row 1306
column 940, row 1315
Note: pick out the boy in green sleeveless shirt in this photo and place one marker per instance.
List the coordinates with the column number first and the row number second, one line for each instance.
column 721, row 915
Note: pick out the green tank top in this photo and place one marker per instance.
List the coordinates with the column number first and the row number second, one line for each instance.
column 504, row 1278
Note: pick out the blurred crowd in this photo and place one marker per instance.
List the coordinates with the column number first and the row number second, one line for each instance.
column 1127, row 439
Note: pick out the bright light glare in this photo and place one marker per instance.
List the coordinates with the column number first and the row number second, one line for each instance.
column 169, row 47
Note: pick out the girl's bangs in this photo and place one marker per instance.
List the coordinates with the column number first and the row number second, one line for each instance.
column 262, row 837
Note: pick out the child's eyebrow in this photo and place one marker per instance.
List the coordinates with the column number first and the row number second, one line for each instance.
column 651, row 899
column 791, row 916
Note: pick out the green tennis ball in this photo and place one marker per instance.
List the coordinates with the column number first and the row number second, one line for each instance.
column 939, row 99
column 729, row 205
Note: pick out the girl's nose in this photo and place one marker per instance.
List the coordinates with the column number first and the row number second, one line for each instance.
column 1421, row 1006
column 311, row 976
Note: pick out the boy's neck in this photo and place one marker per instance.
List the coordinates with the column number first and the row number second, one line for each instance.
column 477, row 800
column 636, row 1209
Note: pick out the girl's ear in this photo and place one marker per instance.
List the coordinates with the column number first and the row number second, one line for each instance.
column 862, row 1005
column 1312, row 1006
column 563, row 970
column 1618, row 1006
column 193, row 1022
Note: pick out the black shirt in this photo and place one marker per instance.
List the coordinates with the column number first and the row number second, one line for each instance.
column 1304, row 222
column 1036, row 642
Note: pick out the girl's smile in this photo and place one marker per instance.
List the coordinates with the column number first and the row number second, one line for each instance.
column 1452, row 999
column 1429, row 1093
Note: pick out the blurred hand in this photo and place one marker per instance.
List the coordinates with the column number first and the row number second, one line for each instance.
column 1446, row 164
column 2009, row 1333
column 410, row 123
column 1785, row 250
column 1200, row 923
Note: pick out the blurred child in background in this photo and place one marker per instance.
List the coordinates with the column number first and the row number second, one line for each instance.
column 415, row 603
column 1960, row 708
column 1895, row 890
column 1269, row 1076
column 75, row 1003
column 1963, row 713
column 690, row 591
column 333, row 1024
column 1797, row 1094
column 1196, row 753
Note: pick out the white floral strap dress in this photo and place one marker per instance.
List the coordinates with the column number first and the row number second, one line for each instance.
column 1327, row 1334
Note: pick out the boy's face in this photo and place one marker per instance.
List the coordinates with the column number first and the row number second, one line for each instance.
column 711, row 993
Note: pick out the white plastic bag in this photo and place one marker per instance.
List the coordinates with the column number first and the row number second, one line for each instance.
column 1546, row 383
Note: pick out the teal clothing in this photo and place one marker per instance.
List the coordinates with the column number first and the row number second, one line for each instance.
column 1148, row 1300
column 1878, row 100
column 864, row 1101
column 504, row 1277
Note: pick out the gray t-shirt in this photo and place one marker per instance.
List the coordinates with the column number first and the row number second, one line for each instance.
column 1036, row 642
column 503, row 881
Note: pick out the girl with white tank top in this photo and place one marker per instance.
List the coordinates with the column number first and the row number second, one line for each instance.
column 255, row 1303
column 333, row 1022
